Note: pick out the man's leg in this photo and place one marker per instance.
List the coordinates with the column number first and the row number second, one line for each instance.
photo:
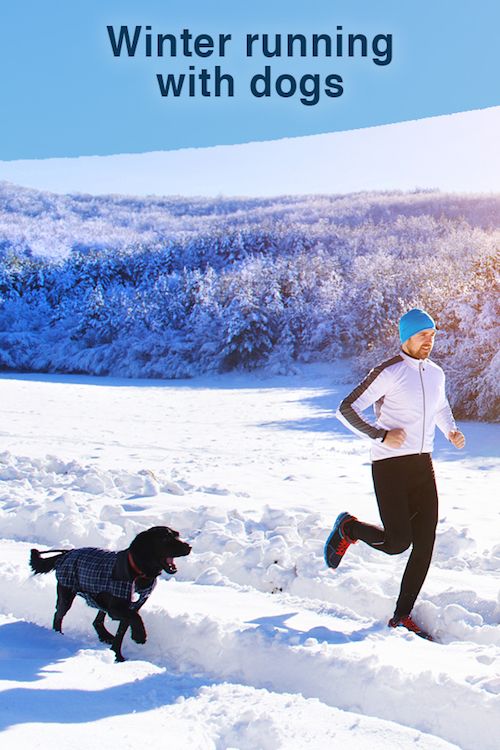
column 424, row 516
column 407, row 498
column 390, row 480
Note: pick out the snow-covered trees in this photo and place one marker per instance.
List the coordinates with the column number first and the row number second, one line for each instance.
column 172, row 287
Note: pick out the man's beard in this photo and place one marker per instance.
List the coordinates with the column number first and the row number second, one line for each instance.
column 423, row 352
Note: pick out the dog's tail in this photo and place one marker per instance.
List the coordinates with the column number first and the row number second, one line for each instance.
column 39, row 565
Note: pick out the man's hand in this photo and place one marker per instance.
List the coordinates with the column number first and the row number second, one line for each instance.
column 395, row 438
column 457, row 438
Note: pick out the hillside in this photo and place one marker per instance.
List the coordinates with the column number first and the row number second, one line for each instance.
column 174, row 287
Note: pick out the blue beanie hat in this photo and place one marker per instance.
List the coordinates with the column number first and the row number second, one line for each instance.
column 413, row 322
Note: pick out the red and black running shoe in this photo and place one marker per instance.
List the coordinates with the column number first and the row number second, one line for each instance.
column 338, row 541
column 410, row 624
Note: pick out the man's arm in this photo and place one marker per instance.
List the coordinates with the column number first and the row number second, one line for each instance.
column 446, row 423
column 370, row 390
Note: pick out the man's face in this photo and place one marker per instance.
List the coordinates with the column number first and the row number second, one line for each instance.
column 420, row 345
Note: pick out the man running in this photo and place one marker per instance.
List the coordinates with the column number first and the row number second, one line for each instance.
column 408, row 395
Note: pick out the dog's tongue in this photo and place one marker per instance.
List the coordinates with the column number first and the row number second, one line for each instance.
column 169, row 565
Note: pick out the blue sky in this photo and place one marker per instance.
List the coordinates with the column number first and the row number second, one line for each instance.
column 65, row 94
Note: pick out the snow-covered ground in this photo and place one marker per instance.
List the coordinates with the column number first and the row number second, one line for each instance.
column 254, row 644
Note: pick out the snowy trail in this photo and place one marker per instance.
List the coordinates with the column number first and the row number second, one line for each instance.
column 94, row 697
column 254, row 644
column 234, row 634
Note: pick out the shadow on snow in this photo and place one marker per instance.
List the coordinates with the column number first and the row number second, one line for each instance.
column 29, row 652
column 276, row 627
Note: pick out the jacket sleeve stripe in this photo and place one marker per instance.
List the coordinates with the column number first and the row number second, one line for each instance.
column 350, row 416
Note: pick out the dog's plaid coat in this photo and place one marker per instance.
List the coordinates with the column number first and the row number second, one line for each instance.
column 88, row 571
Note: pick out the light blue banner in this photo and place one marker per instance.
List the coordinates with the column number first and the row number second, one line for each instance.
column 119, row 76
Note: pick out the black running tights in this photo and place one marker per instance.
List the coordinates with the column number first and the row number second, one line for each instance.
column 408, row 504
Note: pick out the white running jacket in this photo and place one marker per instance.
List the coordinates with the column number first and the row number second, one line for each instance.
column 407, row 393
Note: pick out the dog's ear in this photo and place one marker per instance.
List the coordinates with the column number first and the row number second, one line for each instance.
column 149, row 549
column 154, row 550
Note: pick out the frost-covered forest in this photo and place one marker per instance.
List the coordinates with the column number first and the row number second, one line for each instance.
column 173, row 287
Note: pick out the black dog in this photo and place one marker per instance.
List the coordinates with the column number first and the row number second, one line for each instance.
column 115, row 583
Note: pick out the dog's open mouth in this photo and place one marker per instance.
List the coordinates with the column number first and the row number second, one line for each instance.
column 169, row 565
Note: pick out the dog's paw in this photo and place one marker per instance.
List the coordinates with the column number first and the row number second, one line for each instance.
column 138, row 633
column 105, row 637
